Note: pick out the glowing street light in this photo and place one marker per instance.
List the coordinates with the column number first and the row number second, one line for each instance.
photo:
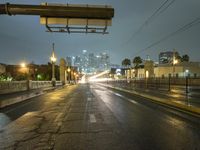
column 23, row 65
column 175, row 61
column 25, row 69
column 53, row 60
column 68, row 70
column 69, row 74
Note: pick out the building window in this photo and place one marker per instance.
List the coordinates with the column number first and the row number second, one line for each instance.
column 177, row 75
column 195, row 75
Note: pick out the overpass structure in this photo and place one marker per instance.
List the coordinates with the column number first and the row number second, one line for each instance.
column 70, row 18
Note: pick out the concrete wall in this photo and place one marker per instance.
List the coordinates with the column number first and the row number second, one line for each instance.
column 149, row 67
column 17, row 86
column 141, row 73
column 165, row 71
column 13, row 86
column 179, row 70
column 63, row 70
column 2, row 69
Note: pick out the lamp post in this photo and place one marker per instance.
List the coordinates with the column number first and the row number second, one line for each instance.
column 53, row 60
column 75, row 76
column 69, row 74
column 175, row 61
column 26, row 67
column 23, row 65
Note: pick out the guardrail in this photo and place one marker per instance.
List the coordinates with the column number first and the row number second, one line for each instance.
column 185, row 85
column 17, row 86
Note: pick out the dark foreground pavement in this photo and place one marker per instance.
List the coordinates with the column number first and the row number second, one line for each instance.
column 91, row 117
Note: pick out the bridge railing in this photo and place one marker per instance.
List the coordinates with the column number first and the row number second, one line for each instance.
column 39, row 84
column 14, row 86
column 169, row 84
column 17, row 86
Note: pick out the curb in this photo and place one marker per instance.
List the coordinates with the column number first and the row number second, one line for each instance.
column 23, row 97
column 191, row 110
column 18, row 99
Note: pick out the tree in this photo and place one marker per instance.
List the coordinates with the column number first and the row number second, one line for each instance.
column 179, row 58
column 137, row 61
column 185, row 58
column 126, row 62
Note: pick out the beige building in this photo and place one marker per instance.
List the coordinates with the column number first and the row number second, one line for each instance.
column 184, row 69
column 130, row 73
column 180, row 70
column 2, row 69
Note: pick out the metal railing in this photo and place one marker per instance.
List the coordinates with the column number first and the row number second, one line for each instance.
column 185, row 85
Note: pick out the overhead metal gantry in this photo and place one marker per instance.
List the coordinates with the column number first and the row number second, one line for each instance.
column 70, row 18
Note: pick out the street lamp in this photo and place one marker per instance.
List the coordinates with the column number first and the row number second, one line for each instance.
column 175, row 61
column 53, row 60
column 69, row 74
column 75, row 76
column 186, row 73
column 23, row 65
column 26, row 70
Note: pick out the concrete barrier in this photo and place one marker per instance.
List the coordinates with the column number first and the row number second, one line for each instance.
column 18, row 86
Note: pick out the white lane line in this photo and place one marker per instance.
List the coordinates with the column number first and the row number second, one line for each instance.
column 118, row 94
column 89, row 99
column 128, row 99
column 92, row 118
column 132, row 101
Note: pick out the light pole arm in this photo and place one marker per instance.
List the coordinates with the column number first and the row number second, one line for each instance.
column 63, row 11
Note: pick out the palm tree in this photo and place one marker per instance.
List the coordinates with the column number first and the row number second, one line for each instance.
column 185, row 58
column 137, row 61
column 126, row 62
column 179, row 58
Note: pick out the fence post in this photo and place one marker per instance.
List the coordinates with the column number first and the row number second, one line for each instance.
column 186, row 85
column 28, row 84
column 157, row 82
column 169, row 83
column 146, row 80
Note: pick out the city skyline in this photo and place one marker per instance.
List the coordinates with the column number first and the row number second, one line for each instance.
column 131, row 33
column 89, row 62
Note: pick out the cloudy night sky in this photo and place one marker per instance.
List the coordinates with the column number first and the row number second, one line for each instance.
column 136, row 30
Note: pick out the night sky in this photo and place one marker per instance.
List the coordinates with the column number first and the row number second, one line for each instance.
column 23, row 38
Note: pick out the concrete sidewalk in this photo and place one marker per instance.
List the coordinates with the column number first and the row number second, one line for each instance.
column 16, row 97
column 180, row 103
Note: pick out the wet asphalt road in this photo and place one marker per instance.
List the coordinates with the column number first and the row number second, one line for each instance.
column 95, row 117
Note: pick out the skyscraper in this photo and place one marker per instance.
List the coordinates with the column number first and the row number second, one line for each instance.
column 69, row 60
column 167, row 57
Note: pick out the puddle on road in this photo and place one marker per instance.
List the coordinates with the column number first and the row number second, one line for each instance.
column 4, row 120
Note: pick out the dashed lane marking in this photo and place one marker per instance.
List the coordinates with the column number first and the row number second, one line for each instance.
column 92, row 118
column 89, row 99
column 128, row 99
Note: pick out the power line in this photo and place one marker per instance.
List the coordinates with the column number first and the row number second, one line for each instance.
column 180, row 30
column 157, row 12
column 167, row 6
column 164, row 6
